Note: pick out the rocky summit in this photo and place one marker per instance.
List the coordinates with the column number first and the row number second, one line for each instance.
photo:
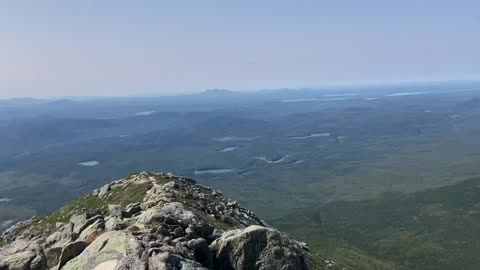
column 151, row 221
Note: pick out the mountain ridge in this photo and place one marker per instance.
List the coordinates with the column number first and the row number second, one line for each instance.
column 151, row 221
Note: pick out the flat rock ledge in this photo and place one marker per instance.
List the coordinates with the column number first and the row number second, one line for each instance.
column 150, row 221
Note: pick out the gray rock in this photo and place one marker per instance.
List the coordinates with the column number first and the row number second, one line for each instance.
column 257, row 248
column 80, row 226
column 178, row 232
column 227, row 219
column 131, row 210
column 92, row 231
column 177, row 211
column 150, row 216
column 78, row 221
column 190, row 231
column 178, row 240
column 61, row 236
column 131, row 262
column 20, row 254
column 180, row 250
column 52, row 255
column 104, row 190
column 201, row 252
column 163, row 230
column 217, row 193
column 174, row 211
column 204, row 230
column 232, row 203
column 217, row 233
column 70, row 251
column 108, row 249
column 38, row 263
column 17, row 231
column 115, row 210
column 153, row 244
column 197, row 243
column 114, row 224
column 53, row 238
column 170, row 185
column 168, row 261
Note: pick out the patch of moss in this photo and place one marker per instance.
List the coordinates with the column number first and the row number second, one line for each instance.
column 215, row 222
column 348, row 258
column 130, row 193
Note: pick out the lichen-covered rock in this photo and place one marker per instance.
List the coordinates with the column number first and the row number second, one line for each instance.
column 115, row 224
column 61, row 236
column 22, row 255
column 150, row 216
column 110, row 247
column 257, row 247
column 81, row 226
column 92, row 231
column 115, row 210
column 173, row 210
column 52, row 256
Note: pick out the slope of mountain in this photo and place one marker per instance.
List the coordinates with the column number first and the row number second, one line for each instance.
column 150, row 221
column 434, row 229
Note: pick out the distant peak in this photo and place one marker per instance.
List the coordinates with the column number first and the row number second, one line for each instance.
column 217, row 91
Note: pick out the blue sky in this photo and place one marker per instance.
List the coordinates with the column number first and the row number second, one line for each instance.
column 88, row 47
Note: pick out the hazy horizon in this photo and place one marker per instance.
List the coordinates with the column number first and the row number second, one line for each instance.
column 350, row 87
column 55, row 49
